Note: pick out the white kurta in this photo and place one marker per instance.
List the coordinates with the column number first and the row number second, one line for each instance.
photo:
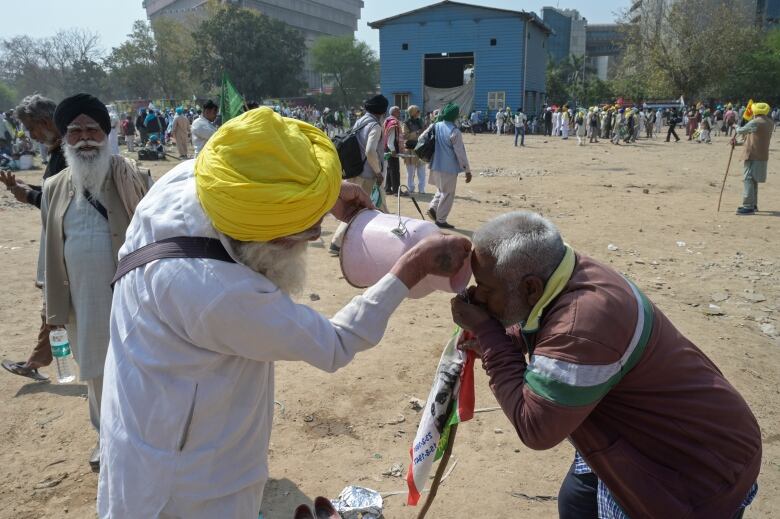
column 90, row 265
column 188, row 388
column 202, row 129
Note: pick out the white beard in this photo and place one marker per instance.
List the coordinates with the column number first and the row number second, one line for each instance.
column 89, row 169
column 283, row 266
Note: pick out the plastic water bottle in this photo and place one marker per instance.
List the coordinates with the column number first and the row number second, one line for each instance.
column 60, row 349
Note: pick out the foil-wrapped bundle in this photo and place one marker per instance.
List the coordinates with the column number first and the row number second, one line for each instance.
column 358, row 503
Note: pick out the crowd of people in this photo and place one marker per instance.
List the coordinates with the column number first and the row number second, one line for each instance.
column 150, row 279
column 615, row 123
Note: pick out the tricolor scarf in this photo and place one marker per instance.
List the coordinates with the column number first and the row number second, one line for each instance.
column 450, row 401
column 390, row 123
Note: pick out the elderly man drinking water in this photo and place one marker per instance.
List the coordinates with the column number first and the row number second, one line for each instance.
column 595, row 362
column 203, row 308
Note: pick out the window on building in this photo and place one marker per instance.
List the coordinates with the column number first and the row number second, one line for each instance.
column 404, row 46
column 401, row 101
column 493, row 42
column 496, row 100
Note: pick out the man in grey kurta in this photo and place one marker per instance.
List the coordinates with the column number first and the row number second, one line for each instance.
column 85, row 215
column 758, row 132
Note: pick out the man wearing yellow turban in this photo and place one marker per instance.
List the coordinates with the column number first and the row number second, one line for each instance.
column 758, row 132
column 202, row 308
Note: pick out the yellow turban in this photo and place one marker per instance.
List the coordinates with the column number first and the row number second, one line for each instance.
column 760, row 108
column 262, row 176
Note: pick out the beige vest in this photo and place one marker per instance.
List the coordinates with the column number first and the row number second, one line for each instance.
column 58, row 192
column 757, row 143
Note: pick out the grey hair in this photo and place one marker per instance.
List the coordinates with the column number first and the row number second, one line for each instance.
column 35, row 108
column 393, row 108
column 522, row 243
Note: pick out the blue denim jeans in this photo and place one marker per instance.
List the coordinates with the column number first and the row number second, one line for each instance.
column 520, row 132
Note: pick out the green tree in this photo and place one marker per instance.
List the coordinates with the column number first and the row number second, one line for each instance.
column 350, row 65
column 757, row 74
column 557, row 87
column 263, row 57
column 572, row 80
column 690, row 49
column 87, row 76
column 152, row 62
column 7, row 97
column 132, row 64
column 174, row 49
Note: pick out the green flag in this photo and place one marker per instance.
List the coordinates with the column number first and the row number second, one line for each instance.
column 231, row 103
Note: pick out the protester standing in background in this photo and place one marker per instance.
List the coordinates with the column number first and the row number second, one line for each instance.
column 203, row 127
column 758, row 132
column 392, row 146
column 370, row 137
column 520, row 120
column 449, row 160
column 412, row 128
column 37, row 114
column 181, row 132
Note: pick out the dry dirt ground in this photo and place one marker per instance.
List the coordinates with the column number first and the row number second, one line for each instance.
column 654, row 201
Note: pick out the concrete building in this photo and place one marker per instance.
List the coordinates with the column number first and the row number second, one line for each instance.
column 314, row 18
column 569, row 33
column 649, row 14
column 483, row 58
column 603, row 48
column 768, row 13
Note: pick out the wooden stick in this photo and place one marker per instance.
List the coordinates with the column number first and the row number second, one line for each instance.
column 439, row 472
column 726, row 175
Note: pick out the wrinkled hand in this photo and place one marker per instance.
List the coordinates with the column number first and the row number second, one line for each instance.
column 468, row 315
column 7, row 178
column 351, row 199
column 439, row 255
column 471, row 344
column 20, row 191
column 18, row 188
column 468, row 177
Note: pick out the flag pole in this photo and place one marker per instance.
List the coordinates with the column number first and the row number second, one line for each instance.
column 733, row 143
column 439, row 472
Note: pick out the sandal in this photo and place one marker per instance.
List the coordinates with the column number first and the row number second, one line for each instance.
column 303, row 512
column 21, row 369
column 324, row 509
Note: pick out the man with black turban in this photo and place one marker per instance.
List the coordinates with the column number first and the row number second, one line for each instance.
column 86, row 209
column 370, row 136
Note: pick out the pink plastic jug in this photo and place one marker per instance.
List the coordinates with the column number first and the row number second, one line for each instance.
column 375, row 240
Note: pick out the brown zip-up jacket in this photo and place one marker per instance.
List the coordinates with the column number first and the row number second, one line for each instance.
column 667, row 433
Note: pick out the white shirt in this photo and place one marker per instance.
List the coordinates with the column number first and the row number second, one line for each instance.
column 520, row 119
column 202, row 130
column 189, row 378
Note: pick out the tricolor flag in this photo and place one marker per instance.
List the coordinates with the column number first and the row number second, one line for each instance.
column 450, row 401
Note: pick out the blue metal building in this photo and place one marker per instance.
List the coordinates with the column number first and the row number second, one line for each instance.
column 491, row 58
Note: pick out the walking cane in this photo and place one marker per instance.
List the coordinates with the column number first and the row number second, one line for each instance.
column 733, row 143
column 445, row 458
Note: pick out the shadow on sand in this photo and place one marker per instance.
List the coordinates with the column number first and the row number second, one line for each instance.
column 55, row 389
column 280, row 499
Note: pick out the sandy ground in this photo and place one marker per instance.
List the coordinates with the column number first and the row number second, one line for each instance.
column 654, row 201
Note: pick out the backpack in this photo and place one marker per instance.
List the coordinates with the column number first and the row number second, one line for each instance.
column 147, row 154
column 426, row 145
column 351, row 155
